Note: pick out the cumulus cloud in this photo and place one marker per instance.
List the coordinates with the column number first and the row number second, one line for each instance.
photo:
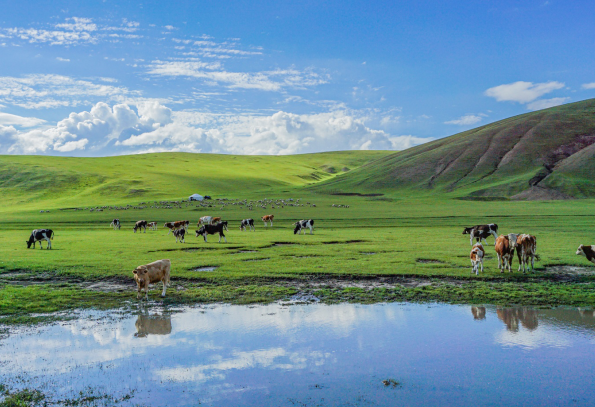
column 588, row 85
column 522, row 92
column 466, row 120
column 545, row 103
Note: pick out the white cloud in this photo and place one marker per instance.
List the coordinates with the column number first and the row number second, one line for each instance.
column 63, row 59
column 8, row 119
column 522, row 92
column 466, row 120
column 545, row 103
column 588, row 85
column 53, row 37
column 78, row 24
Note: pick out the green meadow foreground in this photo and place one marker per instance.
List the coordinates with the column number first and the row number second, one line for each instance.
column 384, row 246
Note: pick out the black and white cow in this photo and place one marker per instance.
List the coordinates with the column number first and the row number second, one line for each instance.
column 588, row 251
column 141, row 224
column 303, row 224
column 213, row 229
column 247, row 223
column 116, row 224
column 179, row 234
column 38, row 235
column 480, row 232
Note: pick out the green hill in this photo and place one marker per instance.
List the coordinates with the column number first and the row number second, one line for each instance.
column 62, row 181
column 548, row 154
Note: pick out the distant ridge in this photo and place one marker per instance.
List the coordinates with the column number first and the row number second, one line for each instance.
column 548, row 154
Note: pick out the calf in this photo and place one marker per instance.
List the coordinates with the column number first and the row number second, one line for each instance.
column 505, row 245
column 141, row 224
column 116, row 224
column 152, row 225
column 303, row 224
column 268, row 218
column 526, row 247
column 587, row 251
column 211, row 230
column 477, row 253
column 179, row 234
column 38, row 235
column 247, row 223
column 480, row 232
column 151, row 273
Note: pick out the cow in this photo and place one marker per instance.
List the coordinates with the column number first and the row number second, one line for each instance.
column 151, row 273
column 476, row 256
column 505, row 245
column 141, row 224
column 152, row 225
column 173, row 226
column 247, row 223
column 303, row 224
column 480, row 232
column 526, row 247
column 211, row 230
column 179, row 234
column 268, row 218
column 204, row 220
column 37, row 235
column 587, row 251
column 116, row 224
column 215, row 220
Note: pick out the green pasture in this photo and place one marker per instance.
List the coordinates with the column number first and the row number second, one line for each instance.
column 385, row 237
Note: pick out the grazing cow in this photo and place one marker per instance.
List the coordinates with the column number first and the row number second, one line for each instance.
column 173, row 226
column 247, row 223
column 116, row 224
column 587, row 251
column 141, row 224
column 480, row 232
column 179, row 234
column 211, row 230
column 477, row 253
column 38, row 235
column 205, row 220
column 303, row 224
column 505, row 245
column 151, row 273
column 526, row 247
column 268, row 218
column 152, row 225
column 216, row 219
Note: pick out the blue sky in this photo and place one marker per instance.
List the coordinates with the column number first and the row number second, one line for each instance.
column 114, row 77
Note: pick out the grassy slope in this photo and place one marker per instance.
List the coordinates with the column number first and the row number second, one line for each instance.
column 52, row 182
column 498, row 159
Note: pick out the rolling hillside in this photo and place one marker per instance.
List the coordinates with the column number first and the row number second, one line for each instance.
column 548, row 154
column 63, row 181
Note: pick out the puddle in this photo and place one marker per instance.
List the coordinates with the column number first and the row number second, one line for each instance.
column 429, row 261
column 346, row 241
column 206, row 268
column 368, row 253
column 263, row 259
column 576, row 270
column 245, row 251
column 107, row 286
column 314, row 354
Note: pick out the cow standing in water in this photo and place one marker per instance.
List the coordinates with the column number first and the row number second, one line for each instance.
column 38, row 235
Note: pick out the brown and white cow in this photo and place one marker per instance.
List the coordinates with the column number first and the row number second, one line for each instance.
column 215, row 220
column 526, row 248
column 505, row 245
column 204, row 220
column 476, row 255
column 587, row 251
column 152, row 225
column 268, row 218
column 141, row 224
column 152, row 273
column 173, row 226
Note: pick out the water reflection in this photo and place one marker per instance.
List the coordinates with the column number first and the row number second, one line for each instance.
column 313, row 355
column 152, row 325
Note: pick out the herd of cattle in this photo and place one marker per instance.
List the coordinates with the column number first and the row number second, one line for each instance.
column 504, row 245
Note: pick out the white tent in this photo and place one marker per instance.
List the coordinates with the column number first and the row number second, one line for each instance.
column 195, row 197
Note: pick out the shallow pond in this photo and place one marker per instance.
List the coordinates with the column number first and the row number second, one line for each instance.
column 306, row 355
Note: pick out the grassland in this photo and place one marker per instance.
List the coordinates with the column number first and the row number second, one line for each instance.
column 389, row 247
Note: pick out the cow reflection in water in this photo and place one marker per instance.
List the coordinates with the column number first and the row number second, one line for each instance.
column 512, row 316
column 479, row 313
column 152, row 325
